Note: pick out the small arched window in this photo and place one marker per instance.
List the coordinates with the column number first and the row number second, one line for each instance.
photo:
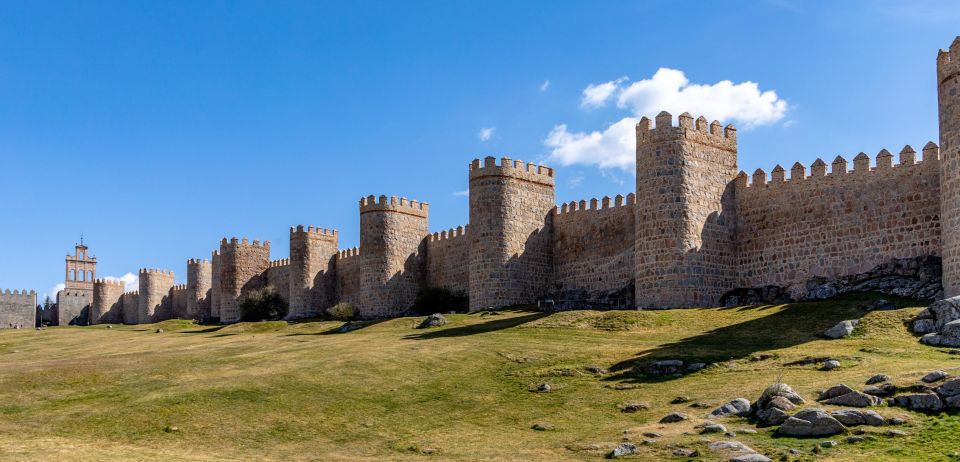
column 73, row 275
column 90, row 276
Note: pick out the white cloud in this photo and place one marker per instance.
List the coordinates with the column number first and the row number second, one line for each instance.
column 575, row 180
column 52, row 293
column 130, row 281
column 486, row 133
column 613, row 147
column 670, row 90
column 667, row 90
column 596, row 95
column 544, row 86
column 464, row 193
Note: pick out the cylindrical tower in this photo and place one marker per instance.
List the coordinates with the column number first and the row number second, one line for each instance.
column 154, row 294
column 511, row 246
column 106, row 306
column 242, row 268
column 215, row 287
column 948, row 86
column 391, row 254
column 312, row 267
column 199, row 281
column 684, row 212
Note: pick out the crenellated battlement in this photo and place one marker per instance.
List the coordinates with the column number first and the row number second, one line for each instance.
column 132, row 292
column 595, row 204
column 280, row 263
column 348, row 253
column 459, row 231
column 178, row 288
column 948, row 62
column 313, row 231
column 393, row 204
column 109, row 282
column 507, row 167
column 198, row 261
column 839, row 167
column 18, row 292
column 156, row 272
column 235, row 243
column 697, row 130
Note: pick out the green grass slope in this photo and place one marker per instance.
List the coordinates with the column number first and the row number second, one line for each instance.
column 301, row 391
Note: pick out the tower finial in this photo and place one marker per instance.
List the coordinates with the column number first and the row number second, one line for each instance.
column 81, row 239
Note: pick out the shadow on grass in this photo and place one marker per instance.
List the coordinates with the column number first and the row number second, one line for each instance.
column 343, row 329
column 785, row 326
column 474, row 329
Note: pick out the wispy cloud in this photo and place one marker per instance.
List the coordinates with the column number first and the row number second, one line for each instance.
column 544, row 86
column 464, row 193
column 486, row 133
column 596, row 95
column 575, row 180
column 670, row 90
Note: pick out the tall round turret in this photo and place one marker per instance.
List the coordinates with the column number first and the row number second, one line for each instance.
column 311, row 273
column 392, row 254
column 154, row 295
column 684, row 219
column 106, row 306
column 510, row 237
column 199, row 281
column 948, row 86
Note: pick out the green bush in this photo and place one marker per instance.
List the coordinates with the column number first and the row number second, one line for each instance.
column 439, row 300
column 261, row 304
column 342, row 311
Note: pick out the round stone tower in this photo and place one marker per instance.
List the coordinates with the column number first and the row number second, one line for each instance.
column 199, row 281
column 312, row 264
column 511, row 246
column 684, row 218
column 106, row 306
column 154, row 291
column 391, row 254
column 948, row 87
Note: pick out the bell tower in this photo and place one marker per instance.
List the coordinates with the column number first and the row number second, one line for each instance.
column 81, row 268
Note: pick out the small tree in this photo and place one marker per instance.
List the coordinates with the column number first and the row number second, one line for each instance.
column 342, row 311
column 261, row 304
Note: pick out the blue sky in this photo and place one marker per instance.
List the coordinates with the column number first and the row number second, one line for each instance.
column 157, row 128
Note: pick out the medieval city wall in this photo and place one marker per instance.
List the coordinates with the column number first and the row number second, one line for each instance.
column 73, row 307
column 448, row 260
column 511, row 241
column 838, row 223
column 593, row 252
column 106, row 306
column 242, row 268
column 177, row 308
column 348, row 276
column 278, row 277
column 18, row 309
column 130, row 307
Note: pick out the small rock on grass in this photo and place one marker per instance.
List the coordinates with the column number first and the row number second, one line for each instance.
column 634, row 407
column 713, row 428
column 934, row 376
column 543, row 388
column 542, row 426
column 877, row 379
column 831, row 364
column 674, row 417
column 684, row 452
column 680, row 400
column 652, row 434
column 894, row 433
column 754, row 457
column 623, row 449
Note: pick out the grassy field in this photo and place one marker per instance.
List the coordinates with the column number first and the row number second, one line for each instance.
column 300, row 391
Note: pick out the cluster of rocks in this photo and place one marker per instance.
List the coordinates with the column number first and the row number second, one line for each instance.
column 930, row 397
column 918, row 278
column 940, row 323
column 671, row 367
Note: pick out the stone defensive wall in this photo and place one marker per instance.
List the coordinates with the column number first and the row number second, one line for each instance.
column 243, row 265
column 593, row 252
column 393, row 258
column 448, row 260
column 215, row 289
column 839, row 223
column 348, row 275
column 278, row 277
column 107, row 306
column 510, row 237
column 154, row 302
column 311, row 276
column 73, row 307
column 18, row 309
column 130, row 306
column 178, row 303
